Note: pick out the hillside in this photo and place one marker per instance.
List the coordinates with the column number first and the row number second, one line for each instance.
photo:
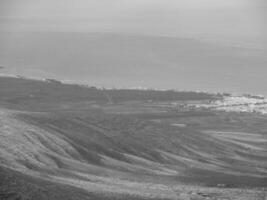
column 63, row 141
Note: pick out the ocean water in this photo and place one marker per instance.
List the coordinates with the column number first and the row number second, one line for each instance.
column 129, row 61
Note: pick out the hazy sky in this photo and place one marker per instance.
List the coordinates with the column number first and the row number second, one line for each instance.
column 211, row 19
column 48, row 39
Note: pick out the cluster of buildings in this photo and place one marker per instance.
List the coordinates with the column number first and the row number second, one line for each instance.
column 245, row 103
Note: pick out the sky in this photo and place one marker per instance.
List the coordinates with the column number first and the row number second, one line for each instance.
column 174, row 44
column 208, row 19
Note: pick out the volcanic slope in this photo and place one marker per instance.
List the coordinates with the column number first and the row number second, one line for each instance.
column 100, row 153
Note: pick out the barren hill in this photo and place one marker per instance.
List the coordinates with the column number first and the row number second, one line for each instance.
column 71, row 142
